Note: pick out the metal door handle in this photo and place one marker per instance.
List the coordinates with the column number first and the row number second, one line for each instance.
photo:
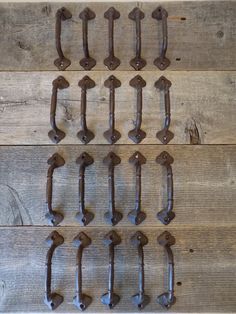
column 167, row 299
column 111, row 61
column 137, row 135
column 62, row 15
column 52, row 299
column 136, row 216
column 87, row 62
column 53, row 217
column 162, row 62
column 85, row 135
column 56, row 135
column 112, row 216
column 83, row 215
column 165, row 136
column 110, row 298
column 167, row 214
column 137, row 62
column 140, row 299
column 112, row 135
column 81, row 300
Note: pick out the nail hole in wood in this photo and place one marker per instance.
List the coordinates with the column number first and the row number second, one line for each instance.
column 179, row 283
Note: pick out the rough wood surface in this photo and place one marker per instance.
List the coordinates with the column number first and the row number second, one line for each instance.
column 201, row 35
column 202, row 107
column 206, row 273
column 204, row 184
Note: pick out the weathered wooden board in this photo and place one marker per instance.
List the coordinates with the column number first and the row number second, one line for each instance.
column 202, row 107
column 201, row 35
column 204, row 184
column 206, row 276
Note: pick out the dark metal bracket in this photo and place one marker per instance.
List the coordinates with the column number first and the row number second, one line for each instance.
column 112, row 216
column 52, row 299
column 137, row 135
column 162, row 62
column 85, row 135
column 87, row 62
column 83, row 215
column 137, row 62
column 111, row 61
column 81, row 300
column 136, row 216
column 53, row 217
column 165, row 136
column 110, row 298
column 167, row 214
column 112, row 135
column 140, row 299
column 167, row 299
column 56, row 135
column 62, row 62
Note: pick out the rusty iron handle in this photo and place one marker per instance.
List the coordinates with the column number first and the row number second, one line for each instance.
column 112, row 135
column 137, row 135
column 56, row 135
column 87, row 62
column 62, row 62
column 111, row 61
column 165, row 136
column 52, row 299
column 162, row 62
column 167, row 299
column 140, row 299
column 83, row 215
column 53, row 217
column 85, row 135
column 136, row 216
column 112, row 216
column 137, row 62
column 167, row 214
column 81, row 300
column 110, row 298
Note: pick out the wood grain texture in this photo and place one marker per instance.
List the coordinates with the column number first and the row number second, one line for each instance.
column 202, row 107
column 201, row 35
column 207, row 274
column 204, row 184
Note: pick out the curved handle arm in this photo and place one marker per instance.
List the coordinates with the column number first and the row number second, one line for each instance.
column 52, row 300
column 162, row 62
column 167, row 214
column 81, row 300
column 167, row 299
column 62, row 62
column 53, row 217
column 165, row 135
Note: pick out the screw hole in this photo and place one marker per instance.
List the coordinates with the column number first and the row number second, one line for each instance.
column 179, row 283
column 191, row 250
column 178, row 59
column 183, row 18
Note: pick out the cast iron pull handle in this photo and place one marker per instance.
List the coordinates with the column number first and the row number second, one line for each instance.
column 167, row 299
column 56, row 135
column 136, row 216
column 167, row 214
column 87, row 62
column 62, row 62
column 83, row 215
column 112, row 135
column 53, row 217
column 52, row 299
column 81, row 300
column 137, row 135
column 111, row 61
column 112, row 216
column 85, row 135
column 137, row 62
column 165, row 136
column 110, row 298
column 162, row 62
column 140, row 299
